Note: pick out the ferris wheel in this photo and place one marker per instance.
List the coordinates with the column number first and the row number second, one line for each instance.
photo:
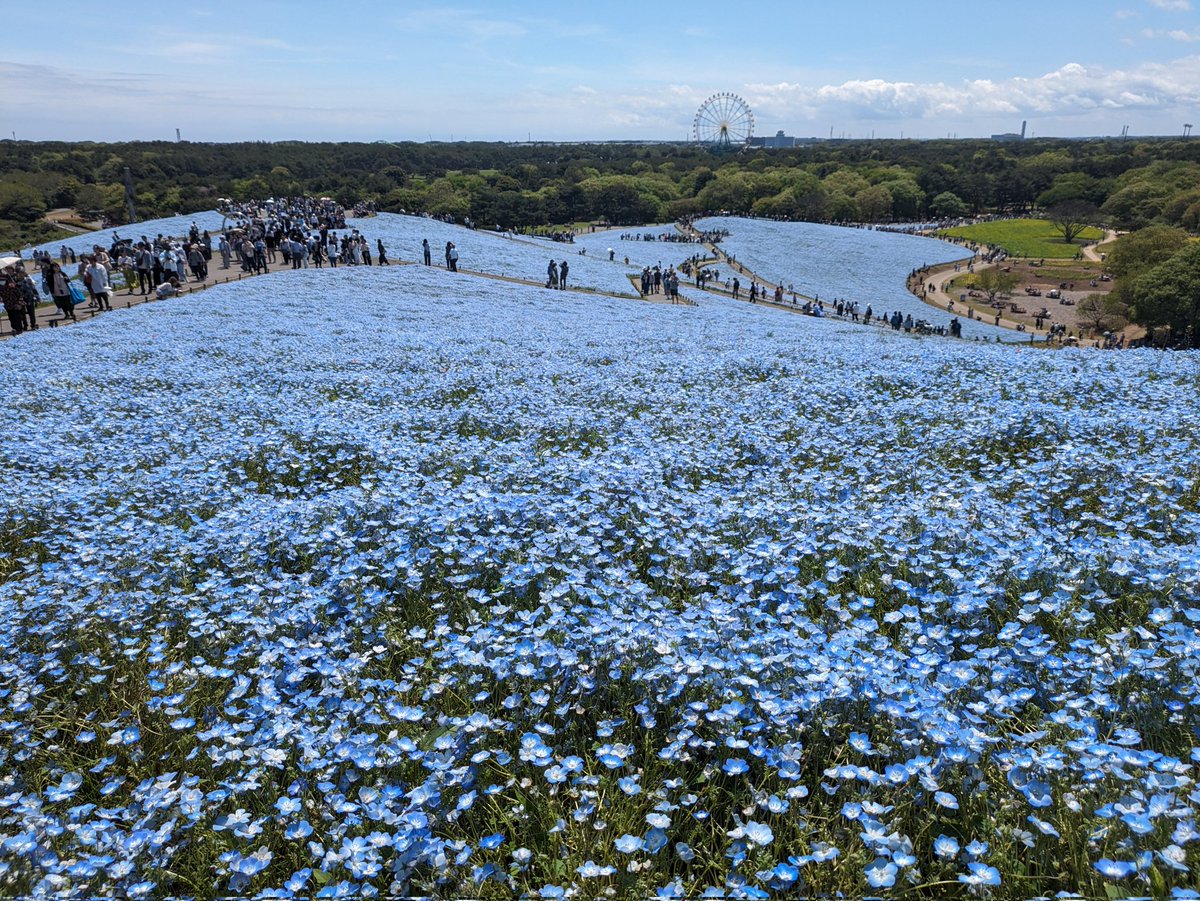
column 723, row 120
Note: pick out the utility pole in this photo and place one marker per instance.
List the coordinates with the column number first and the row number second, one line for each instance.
column 129, row 197
column 1187, row 129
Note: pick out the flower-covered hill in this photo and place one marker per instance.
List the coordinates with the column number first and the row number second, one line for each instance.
column 401, row 581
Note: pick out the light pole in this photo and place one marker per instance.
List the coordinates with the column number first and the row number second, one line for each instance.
column 1187, row 129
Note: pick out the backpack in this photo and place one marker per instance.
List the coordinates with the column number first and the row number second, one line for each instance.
column 77, row 295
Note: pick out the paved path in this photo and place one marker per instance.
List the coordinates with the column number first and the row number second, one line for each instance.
column 48, row 315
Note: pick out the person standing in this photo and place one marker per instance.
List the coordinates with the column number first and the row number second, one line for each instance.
column 197, row 264
column 13, row 299
column 562, row 274
column 451, row 257
column 425, row 250
column 97, row 279
column 383, row 260
column 30, row 292
column 60, row 290
column 552, row 275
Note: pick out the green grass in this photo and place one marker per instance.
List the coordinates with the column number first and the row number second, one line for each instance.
column 1025, row 237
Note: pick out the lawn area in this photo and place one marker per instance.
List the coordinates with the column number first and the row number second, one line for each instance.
column 1024, row 237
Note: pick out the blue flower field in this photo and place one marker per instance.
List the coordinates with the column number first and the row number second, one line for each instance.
column 343, row 583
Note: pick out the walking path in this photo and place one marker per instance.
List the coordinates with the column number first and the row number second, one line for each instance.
column 1092, row 251
column 48, row 315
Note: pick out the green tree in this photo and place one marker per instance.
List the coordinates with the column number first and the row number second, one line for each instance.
column 907, row 199
column 1138, row 251
column 21, row 202
column 875, row 204
column 1101, row 312
column 994, row 281
column 1167, row 296
column 947, row 205
column 1071, row 217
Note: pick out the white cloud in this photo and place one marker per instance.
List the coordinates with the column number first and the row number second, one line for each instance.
column 1073, row 89
column 1172, row 34
column 1178, row 5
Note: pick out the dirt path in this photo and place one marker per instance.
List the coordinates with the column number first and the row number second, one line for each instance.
column 57, row 219
column 1092, row 252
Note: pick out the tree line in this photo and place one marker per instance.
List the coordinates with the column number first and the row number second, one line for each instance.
column 1131, row 183
column 1124, row 184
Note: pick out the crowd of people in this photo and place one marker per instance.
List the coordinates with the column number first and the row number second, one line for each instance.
column 712, row 236
column 656, row 280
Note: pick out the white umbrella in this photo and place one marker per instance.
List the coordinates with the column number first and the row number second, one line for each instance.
column 6, row 261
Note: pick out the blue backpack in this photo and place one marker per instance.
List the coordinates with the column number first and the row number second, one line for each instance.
column 77, row 295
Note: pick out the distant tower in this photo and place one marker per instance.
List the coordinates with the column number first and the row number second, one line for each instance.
column 129, row 197
column 177, row 137
column 1187, row 129
column 1023, row 124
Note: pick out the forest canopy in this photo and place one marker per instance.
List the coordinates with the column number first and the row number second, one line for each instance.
column 1130, row 184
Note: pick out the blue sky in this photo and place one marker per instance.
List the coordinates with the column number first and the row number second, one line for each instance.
column 618, row 69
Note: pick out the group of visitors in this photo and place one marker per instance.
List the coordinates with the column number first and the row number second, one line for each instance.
column 712, row 236
column 287, row 214
column 556, row 274
column 255, row 250
column 656, row 280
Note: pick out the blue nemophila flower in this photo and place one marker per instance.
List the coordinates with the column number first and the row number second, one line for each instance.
column 628, row 844
column 881, row 873
column 1115, row 869
column 66, row 788
column 251, row 864
column 735, row 766
column 408, row 581
column 980, row 874
column 592, row 870
column 945, row 799
column 945, row 847
column 629, row 785
column 298, row 830
column 491, row 841
column 1042, row 826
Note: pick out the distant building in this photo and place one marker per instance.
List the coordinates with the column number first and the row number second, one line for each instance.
column 779, row 141
column 1011, row 136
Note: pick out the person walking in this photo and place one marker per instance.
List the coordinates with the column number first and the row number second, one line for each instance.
column 97, row 280
column 383, row 260
column 425, row 251
column 60, row 290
